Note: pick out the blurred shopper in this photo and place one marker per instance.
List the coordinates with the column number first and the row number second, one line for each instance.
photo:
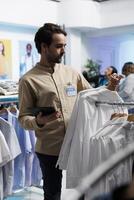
column 108, row 72
column 3, row 62
column 126, row 68
column 126, row 87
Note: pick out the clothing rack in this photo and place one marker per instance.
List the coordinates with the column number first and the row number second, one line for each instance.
column 8, row 99
column 99, row 172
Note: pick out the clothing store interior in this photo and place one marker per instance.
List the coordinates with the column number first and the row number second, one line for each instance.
column 88, row 137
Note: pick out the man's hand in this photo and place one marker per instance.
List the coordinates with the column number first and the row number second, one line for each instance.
column 41, row 120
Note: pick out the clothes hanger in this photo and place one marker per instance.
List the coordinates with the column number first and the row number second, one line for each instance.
column 3, row 110
column 130, row 118
column 13, row 108
column 120, row 113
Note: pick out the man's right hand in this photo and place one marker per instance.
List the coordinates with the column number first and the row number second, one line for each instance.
column 41, row 120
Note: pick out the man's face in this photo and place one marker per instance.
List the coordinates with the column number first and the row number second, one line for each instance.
column 56, row 49
column 28, row 48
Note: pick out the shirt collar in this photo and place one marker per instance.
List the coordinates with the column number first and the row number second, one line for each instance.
column 48, row 69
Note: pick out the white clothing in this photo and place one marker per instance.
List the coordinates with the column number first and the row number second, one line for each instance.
column 4, row 158
column 113, row 136
column 126, row 88
column 14, row 147
column 5, row 155
column 86, row 119
column 11, row 137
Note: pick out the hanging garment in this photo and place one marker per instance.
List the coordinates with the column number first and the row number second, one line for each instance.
column 27, row 166
column 26, row 148
column 14, row 147
column 113, row 136
column 33, row 174
column 86, row 119
column 5, row 157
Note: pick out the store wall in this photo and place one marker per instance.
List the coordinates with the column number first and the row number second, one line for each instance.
column 15, row 35
column 79, row 13
column 72, row 13
column 73, row 49
column 89, row 14
column 19, row 20
column 82, row 19
column 98, row 21
column 104, row 50
column 117, row 13
column 111, row 50
column 126, row 52
column 28, row 12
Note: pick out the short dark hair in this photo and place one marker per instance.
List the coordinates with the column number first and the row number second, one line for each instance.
column 114, row 70
column 45, row 33
column 126, row 66
column 28, row 45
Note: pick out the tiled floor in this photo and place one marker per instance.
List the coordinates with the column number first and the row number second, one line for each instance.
column 31, row 193
column 34, row 193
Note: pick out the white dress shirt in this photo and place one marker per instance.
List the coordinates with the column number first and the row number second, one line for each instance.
column 86, row 119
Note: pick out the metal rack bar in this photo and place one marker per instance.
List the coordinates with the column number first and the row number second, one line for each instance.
column 8, row 99
column 115, row 103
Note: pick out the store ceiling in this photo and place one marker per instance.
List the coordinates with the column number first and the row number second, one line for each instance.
column 89, row 0
column 100, row 0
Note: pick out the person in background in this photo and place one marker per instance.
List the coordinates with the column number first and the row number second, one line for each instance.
column 3, row 62
column 27, row 61
column 126, row 68
column 125, row 72
column 51, row 83
column 107, row 73
column 126, row 87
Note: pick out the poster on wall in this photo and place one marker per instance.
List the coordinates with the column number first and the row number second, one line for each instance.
column 5, row 59
column 28, row 56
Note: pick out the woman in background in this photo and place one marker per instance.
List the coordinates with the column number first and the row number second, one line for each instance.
column 108, row 72
column 3, row 62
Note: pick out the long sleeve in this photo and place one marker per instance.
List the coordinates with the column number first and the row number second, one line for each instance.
column 26, row 100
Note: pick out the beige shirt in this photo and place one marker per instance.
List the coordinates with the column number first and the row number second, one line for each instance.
column 41, row 87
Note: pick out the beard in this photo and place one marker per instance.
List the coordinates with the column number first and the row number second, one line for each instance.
column 57, row 59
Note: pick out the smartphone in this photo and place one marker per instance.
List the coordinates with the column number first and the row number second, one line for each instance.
column 44, row 110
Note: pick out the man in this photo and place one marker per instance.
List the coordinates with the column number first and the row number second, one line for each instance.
column 49, row 84
column 126, row 87
column 127, row 68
